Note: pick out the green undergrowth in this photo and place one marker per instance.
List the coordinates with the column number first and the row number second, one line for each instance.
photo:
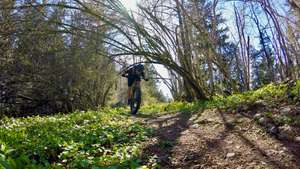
column 108, row 138
column 102, row 139
column 268, row 93
column 174, row 107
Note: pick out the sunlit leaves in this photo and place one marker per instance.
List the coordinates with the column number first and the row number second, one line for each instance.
column 78, row 140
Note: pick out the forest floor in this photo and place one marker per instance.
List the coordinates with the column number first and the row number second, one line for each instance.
column 219, row 139
column 250, row 130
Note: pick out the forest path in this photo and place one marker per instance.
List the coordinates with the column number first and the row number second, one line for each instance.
column 213, row 139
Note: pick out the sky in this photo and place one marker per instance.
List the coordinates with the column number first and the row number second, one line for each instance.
column 129, row 4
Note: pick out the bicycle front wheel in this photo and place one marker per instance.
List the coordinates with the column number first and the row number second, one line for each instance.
column 136, row 101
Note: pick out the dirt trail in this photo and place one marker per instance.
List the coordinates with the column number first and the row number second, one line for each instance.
column 212, row 139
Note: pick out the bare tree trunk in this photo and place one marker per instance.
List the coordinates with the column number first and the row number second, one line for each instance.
column 271, row 74
column 248, row 63
column 281, row 39
column 244, row 48
column 185, row 54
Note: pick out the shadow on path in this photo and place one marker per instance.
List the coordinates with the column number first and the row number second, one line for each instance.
column 166, row 137
column 292, row 145
column 177, row 143
column 231, row 127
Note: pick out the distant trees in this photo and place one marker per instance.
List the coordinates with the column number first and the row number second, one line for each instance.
column 52, row 59
column 192, row 46
column 278, row 56
column 55, row 56
column 189, row 37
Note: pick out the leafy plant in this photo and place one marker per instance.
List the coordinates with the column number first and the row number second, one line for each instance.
column 79, row 140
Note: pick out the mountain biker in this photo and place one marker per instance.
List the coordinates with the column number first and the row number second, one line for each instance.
column 134, row 74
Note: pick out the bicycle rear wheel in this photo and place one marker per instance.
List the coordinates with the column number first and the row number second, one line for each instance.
column 136, row 101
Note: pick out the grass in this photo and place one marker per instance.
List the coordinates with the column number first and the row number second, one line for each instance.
column 107, row 138
column 267, row 93
column 174, row 107
column 99, row 139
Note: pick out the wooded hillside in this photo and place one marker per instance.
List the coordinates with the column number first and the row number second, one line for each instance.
column 59, row 55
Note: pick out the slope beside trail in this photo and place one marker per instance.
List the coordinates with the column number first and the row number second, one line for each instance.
column 214, row 139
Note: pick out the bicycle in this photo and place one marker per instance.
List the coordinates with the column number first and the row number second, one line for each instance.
column 136, row 93
column 136, row 98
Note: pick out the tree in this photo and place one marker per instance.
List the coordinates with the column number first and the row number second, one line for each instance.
column 57, row 60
